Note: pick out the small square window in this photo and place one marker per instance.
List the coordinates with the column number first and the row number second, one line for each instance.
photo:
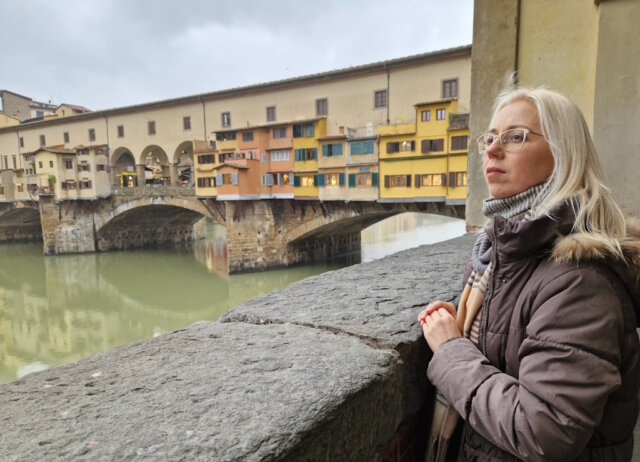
column 425, row 116
column 271, row 113
column 441, row 114
column 380, row 98
column 92, row 134
column 186, row 123
column 120, row 131
column 247, row 136
column 322, row 107
column 226, row 119
column 280, row 132
column 151, row 127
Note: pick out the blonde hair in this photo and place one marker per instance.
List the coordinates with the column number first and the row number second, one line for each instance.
column 577, row 174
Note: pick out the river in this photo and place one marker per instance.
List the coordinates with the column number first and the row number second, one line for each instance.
column 58, row 309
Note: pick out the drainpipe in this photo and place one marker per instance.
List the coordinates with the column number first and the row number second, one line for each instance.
column 204, row 119
column 516, row 63
column 388, row 94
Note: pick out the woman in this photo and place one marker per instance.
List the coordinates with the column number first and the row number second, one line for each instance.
column 541, row 359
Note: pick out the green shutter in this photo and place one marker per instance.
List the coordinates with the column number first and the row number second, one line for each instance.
column 341, row 179
column 367, row 147
column 352, row 180
column 321, row 179
column 374, row 179
column 337, row 149
column 325, row 150
column 315, row 180
column 296, row 181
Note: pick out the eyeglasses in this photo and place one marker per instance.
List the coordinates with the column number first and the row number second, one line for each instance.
column 511, row 140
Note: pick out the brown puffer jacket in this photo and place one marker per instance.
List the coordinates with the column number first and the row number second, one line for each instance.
column 557, row 374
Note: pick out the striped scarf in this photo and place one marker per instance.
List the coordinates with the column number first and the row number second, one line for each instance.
column 445, row 418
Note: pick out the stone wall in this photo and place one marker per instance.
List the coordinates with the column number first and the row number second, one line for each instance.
column 330, row 368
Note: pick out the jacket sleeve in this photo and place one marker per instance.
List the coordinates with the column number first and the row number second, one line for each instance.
column 569, row 365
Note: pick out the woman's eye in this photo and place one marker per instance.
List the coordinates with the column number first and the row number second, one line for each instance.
column 516, row 137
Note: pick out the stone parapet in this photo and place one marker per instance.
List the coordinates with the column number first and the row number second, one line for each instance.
column 331, row 368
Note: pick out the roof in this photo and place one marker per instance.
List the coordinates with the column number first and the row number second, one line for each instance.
column 53, row 150
column 439, row 101
column 269, row 125
column 74, row 107
column 380, row 66
column 332, row 137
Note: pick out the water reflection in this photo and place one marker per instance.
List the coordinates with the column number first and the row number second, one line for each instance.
column 59, row 309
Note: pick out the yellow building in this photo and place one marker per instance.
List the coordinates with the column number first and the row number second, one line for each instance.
column 71, row 174
column 426, row 161
column 306, row 150
column 204, row 164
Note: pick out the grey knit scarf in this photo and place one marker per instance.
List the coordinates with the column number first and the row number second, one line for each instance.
column 508, row 207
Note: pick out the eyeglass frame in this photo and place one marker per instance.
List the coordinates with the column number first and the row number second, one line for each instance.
column 527, row 131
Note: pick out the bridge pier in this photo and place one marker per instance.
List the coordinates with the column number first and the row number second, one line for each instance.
column 67, row 227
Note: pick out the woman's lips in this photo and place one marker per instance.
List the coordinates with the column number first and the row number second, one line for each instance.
column 493, row 171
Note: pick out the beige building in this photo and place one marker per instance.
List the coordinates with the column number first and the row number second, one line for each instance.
column 586, row 49
column 163, row 133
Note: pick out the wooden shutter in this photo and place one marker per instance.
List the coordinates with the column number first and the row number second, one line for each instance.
column 352, row 180
column 452, row 179
column 417, row 181
column 321, row 179
column 374, row 179
column 325, row 150
column 387, row 181
column 413, row 145
column 296, row 181
column 426, row 146
column 315, row 180
column 341, row 179
column 408, row 181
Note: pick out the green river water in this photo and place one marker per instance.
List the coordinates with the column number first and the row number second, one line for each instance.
column 58, row 309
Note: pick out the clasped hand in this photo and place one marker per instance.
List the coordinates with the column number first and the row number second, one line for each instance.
column 438, row 322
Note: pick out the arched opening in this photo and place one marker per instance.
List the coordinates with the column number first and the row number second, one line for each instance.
column 408, row 230
column 123, row 169
column 183, row 160
column 20, row 224
column 156, row 166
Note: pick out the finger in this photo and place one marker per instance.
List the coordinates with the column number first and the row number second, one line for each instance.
column 444, row 312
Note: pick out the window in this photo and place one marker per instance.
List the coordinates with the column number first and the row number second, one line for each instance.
column 459, row 143
column 84, row 184
column 267, row 179
column 21, row 142
column 151, row 127
column 65, row 135
column 271, row 113
column 431, row 179
column 69, row 184
column 397, row 181
column 363, row 180
column 441, row 114
column 14, row 162
column 226, row 119
column 207, row 182
column 82, row 152
column 304, row 180
column 450, row 88
column 39, row 114
column 226, row 136
column 120, row 131
column 247, row 136
column 207, row 159
column 282, row 154
column 42, row 140
column 425, row 116
column 226, row 178
column 393, row 147
column 433, row 145
column 101, row 168
column 186, row 123
column 281, row 179
column 84, row 167
column 92, row 134
column 280, row 132
column 68, row 164
column 330, row 150
column 40, row 164
column 50, row 164
column 322, row 107
column 300, row 155
column 265, row 157
column 380, row 98
column 408, row 146
column 334, row 179
column 362, row 147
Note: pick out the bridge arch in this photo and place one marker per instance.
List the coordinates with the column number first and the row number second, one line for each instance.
column 183, row 163
column 20, row 223
column 155, row 158
column 122, row 160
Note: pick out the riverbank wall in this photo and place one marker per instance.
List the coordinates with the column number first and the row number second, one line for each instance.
column 331, row 368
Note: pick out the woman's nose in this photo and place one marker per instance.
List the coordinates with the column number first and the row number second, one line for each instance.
column 495, row 148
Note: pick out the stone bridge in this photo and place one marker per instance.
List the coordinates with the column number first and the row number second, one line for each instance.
column 260, row 234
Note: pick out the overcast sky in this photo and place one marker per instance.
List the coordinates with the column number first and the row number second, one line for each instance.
column 110, row 53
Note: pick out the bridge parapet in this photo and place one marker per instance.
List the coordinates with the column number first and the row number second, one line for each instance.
column 331, row 368
column 155, row 190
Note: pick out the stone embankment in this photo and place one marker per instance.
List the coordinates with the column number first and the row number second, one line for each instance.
column 331, row 368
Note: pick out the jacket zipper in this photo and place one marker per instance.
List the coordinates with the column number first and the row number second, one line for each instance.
column 489, row 294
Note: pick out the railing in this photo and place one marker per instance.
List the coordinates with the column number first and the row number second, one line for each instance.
column 155, row 190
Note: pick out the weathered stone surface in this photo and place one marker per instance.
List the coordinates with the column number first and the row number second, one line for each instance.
column 327, row 369
column 378, row 301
